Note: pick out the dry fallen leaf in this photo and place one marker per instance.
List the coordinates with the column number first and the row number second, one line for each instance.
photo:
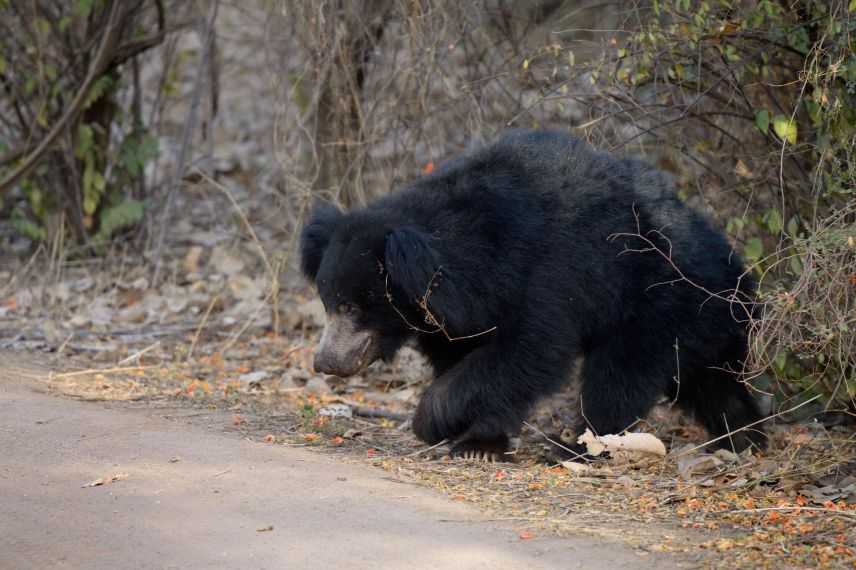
column 526, row 535
column 741, row 170
column 576, row 468
column 101, row 481
column 635, row 442
column 687, row 466
column 191, row 260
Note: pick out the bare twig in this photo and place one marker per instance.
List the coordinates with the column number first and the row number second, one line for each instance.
column 185, row 151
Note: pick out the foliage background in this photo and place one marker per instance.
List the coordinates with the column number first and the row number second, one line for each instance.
column 751, row 105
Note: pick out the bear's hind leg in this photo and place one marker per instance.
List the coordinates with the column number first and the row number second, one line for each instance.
column 620, row 384
column 723, row 404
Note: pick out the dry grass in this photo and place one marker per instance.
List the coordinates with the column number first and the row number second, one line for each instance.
column 815, row 317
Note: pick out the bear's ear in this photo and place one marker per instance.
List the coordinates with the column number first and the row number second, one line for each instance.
column 417, row 270
column 316, row 236
column 410, row 261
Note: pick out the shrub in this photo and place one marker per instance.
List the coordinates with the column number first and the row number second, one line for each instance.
column 69, row 149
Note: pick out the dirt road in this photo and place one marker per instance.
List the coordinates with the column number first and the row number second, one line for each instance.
column 189, row 497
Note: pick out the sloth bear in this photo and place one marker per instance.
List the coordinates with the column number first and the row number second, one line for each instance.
column 507, row 264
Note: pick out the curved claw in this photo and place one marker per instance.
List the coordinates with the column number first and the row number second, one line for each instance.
column 478, row 455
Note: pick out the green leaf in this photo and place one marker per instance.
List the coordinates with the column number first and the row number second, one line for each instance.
column 29, row 229
column 138, row 150
column 84, row 7
column 852, row 7
column 796, row 265
column 785, row 128
column 85, row 139
column 780, row 360
column 123, row 215
column 774, row 220
column 101, row 86
column 731, row 53
column 735, row 225
column 43, row 27
column 793, row 226
column 799, row 40
column 762, row 121
column 754, row 249
column 93, row 187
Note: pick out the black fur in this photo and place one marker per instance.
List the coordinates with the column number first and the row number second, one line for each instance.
column 524, row 253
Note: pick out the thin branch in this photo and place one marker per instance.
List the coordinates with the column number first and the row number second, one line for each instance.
column 184, row 150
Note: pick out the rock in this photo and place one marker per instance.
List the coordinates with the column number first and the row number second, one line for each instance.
column 287, row 381
column 225, row 263
column 245, row 288
column 317, row 385
column 255, row 376
column 336, row 411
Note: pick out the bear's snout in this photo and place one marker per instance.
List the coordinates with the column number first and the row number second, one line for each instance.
column 344, row 350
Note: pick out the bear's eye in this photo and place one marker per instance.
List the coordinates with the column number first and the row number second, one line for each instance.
column 347, row 309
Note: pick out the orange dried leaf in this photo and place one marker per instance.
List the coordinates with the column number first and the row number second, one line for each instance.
column 428, row 168
column 526, row 535
column 724, row 544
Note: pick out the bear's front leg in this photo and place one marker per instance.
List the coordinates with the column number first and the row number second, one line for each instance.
column 478, row 404
column 439, row 414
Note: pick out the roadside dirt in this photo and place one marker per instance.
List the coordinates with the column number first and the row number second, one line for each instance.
column 88, row 485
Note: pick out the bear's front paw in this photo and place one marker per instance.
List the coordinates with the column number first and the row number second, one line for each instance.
column 438, row 417
column 487, row 450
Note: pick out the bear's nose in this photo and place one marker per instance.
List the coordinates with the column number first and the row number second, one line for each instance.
column 325, row 363
column 343, row 357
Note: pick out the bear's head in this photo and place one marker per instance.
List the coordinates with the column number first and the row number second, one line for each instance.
column 370, row 274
